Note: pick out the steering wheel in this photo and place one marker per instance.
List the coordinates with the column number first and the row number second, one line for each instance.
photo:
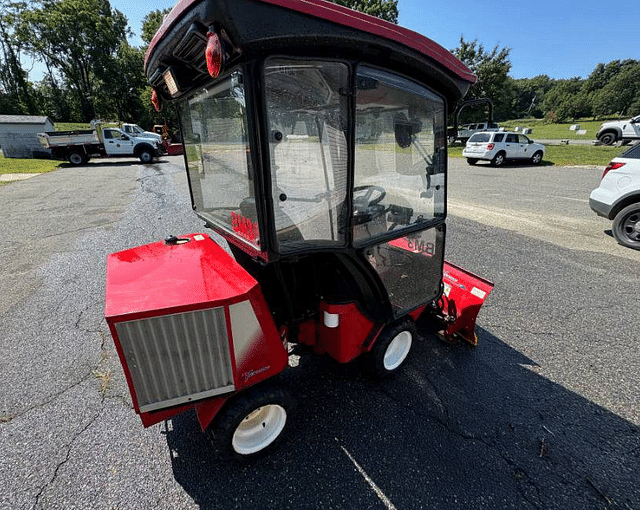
column 365, row 200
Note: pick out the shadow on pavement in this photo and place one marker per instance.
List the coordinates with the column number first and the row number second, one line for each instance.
column 111, row 163
column 458, row 428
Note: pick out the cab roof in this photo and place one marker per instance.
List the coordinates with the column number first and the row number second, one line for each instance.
column 304, row 27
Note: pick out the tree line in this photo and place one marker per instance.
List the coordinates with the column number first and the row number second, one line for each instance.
column 611, row 90
column 91, row 70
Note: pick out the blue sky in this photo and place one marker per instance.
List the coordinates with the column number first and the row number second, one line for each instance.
column 560, row 38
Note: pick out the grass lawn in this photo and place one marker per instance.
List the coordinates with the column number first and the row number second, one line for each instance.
column 569, row 155
column 545, row 130
column 79, row 126
column 26, row 166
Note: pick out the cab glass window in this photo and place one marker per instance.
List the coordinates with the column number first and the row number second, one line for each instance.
column 410, row 267
column 400, row 153
column 214, row 124
column 307, row 122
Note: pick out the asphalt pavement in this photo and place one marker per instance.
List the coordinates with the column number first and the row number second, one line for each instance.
column 543, row 414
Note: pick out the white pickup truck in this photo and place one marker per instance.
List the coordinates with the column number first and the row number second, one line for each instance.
column 78, row 147
column 465, row 132
column 619, row 131
column 135, row 130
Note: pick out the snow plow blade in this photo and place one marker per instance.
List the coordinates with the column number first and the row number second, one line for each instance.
column 463, row 295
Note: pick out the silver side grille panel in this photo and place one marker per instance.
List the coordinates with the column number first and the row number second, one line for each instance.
column 174, row 359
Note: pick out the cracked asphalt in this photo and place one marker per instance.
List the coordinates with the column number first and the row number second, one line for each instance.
column 543, row 414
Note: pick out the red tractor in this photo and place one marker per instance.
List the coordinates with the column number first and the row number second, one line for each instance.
column 315, row 145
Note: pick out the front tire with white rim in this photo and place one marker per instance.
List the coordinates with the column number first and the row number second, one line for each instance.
column 252, row 423
column 391, row 349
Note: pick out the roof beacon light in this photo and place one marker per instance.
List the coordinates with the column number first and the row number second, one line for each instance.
column 213, row 54
column 155, row 100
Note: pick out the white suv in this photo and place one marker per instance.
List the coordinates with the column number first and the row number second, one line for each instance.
column 498, row 147
column 618, row 197
column 621, row 130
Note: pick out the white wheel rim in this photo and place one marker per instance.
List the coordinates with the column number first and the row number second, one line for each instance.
column 259, row 429
column 398, row 350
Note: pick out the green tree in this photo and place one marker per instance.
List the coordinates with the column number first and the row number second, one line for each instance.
column 529, row 96
column 621, row 94
column 118, row 93
column 492, row 69
column 78, row 39
column 17, row 91
column 384, row 9
column 151, row 23
column 565, row 101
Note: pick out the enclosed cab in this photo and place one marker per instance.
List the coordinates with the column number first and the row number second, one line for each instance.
column 315, row 144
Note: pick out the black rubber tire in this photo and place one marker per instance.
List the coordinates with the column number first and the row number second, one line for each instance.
column 536, row 159
column 472, row 161
column 608, row 138
column 233, row 414
column 146, row 156
column 374, row 360
column 498, row 160
column 77, row 158
column 626, row 226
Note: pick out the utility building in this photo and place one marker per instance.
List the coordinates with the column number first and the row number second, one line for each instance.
column 19, row 136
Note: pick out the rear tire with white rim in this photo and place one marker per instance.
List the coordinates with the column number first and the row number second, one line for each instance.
column 391, row 348
column 251, row 423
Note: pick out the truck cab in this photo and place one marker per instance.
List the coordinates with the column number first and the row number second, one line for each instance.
column 137, row 131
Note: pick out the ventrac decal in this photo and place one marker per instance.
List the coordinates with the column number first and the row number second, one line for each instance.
column 252, row 373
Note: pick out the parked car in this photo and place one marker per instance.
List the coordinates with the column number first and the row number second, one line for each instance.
column 618, row 197
column 619, row 131
column 499, row 147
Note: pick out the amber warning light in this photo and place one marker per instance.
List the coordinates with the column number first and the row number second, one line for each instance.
column 213, row 54
column 155, row 100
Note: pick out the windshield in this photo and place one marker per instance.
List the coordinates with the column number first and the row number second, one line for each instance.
column 214, row 124
column 399, row 155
